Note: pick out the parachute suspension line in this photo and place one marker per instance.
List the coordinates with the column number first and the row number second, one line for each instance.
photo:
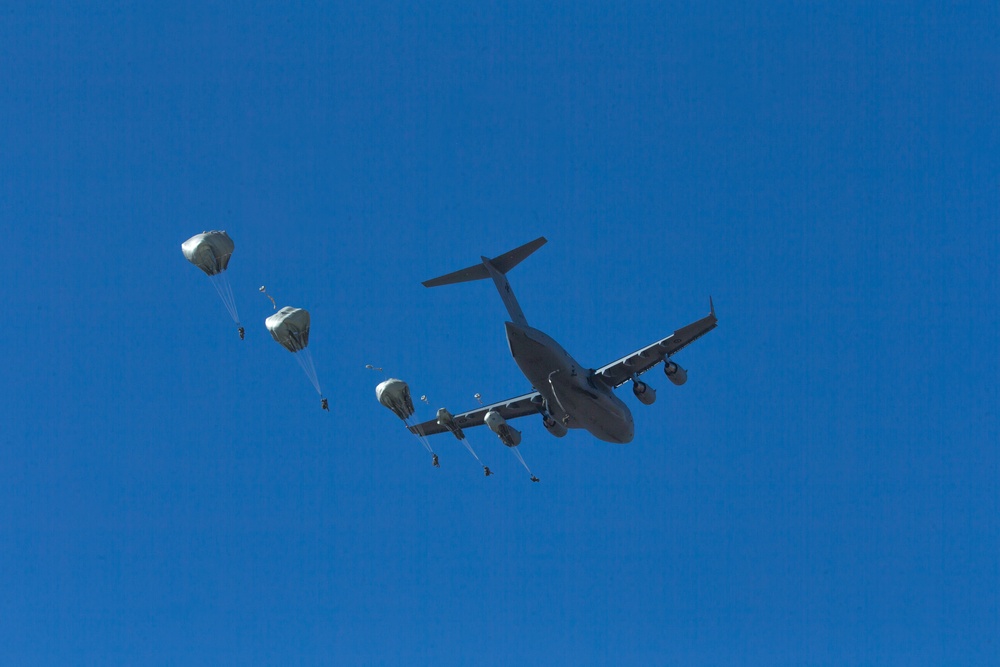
column 521, row 459
column 421, row 437
column 304, row 357
column 221, row 283
column 465, row 441
column 232, row 299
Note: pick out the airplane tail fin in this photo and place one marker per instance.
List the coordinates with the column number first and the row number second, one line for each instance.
column 495, row 268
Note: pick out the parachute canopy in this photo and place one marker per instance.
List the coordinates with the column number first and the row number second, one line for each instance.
column 395, row 395
column 290, row 327
column 209, row 251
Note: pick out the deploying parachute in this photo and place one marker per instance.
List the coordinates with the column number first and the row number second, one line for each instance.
column 290, row 328
column 210, row 252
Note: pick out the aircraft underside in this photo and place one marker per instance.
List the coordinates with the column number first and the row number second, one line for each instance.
column 572, row 396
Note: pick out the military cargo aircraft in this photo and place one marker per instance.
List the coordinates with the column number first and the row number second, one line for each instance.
column 566, row 394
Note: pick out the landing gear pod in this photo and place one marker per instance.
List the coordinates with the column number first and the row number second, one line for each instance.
column 395, row 395
column 553, row 426
column 444, row 418
column 642, row 391
column 675, row 373
column 508, row 436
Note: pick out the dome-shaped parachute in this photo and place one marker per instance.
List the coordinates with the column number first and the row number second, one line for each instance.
column 210, row 252
column 395, row 395
column 290, row 328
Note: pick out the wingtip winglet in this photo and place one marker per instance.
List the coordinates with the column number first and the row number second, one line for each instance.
column 711, row 305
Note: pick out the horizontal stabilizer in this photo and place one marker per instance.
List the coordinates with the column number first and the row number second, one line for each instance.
column 509, row 260
column 503, row 264
column 477, row 272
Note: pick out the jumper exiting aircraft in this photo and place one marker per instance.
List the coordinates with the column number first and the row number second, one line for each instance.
column 567, row 394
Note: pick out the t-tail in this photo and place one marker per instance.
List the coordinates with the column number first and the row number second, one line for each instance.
column 495, row 268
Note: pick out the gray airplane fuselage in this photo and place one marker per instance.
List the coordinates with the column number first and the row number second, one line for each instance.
column 573, row 395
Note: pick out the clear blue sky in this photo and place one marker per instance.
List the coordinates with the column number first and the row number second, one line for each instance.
column 822, row 491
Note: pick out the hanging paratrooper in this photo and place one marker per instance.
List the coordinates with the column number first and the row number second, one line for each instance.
column 210, row 252
column 290, row 328
column 395, row 395
column 508, row 435
column 447, row 420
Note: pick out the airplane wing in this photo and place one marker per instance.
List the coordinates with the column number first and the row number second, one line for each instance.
column 512, row 408
column 619, row 372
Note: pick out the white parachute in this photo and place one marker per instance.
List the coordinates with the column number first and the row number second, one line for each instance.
column 290, row 328
column 210, row 252
column 395, row 395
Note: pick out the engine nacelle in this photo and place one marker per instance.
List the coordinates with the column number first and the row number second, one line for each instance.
column 675, row 373
column 645, row 393
column 445, row 419
column 508, row 436
column 553, row 426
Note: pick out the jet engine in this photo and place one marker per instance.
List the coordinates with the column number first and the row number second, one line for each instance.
column 675, row 373
column 508, row 436
column 554, row 426
column 645, row 393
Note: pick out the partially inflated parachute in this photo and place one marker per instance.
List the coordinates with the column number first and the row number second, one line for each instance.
column 210, row 252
